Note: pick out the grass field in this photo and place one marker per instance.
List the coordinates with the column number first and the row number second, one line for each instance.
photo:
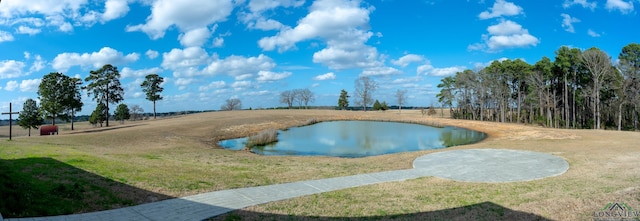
column 102, row 168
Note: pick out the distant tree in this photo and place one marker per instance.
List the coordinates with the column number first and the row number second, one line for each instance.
column 151, row 87
column 30, row 116
column 297, row 96
column 376, row 106
column 306, row 96
column 599, row 64
column 231, row 104
column 384, row 106
column 122, row 113
column 401, row 98
column 136, row 112
column 343, row 101
column 105, row 87
column 365, row 87
column 287, row 97
column 98, row 115
column 59, row 94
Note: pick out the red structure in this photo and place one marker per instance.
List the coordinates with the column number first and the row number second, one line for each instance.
column 48, row 130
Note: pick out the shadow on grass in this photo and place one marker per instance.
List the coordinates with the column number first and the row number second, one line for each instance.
column 480, row 211
column 46, row 187
column 37, row 187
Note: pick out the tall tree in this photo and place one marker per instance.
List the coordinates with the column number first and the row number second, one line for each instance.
column 447, row 94
column 599, row 64
column 287, row 97
column 73, row 98
column 30, row 116
column 54, row 93
column 365, row 87
column 343, row 100
column 151, row 87
column 629, row 66
column 231, row 104
column 122, row 113
column 401, row 98
column 105, row 87
column 306, row 96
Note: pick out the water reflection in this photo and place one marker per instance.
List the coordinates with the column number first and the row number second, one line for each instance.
column 360, row 138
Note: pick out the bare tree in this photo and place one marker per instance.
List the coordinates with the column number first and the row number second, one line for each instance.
column 599, row 64
column 287, row 97
column 365, row 87
column 297, row 96
column 136, row 112
column 401, row 97
column 231, row 104
column 306, row 96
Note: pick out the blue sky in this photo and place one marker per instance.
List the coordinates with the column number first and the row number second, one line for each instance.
column 209, row 51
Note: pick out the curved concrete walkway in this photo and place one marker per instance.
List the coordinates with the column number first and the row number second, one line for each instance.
column 475, row 165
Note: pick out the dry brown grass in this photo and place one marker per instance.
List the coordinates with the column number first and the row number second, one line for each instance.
column 180, row 157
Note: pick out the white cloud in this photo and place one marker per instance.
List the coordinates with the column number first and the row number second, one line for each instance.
column 130, row 73
column 151, row 54
column 195, row 38
column 243, row 77
column 241, row 84
column 218, row 42
column 30, row 85
column 11, row 69
column 61, row 14
column 189, row 58
column 5, row 36
column 114, row 9
column 380, row 71
column 27, row 30
column 272, row 76
column 213, row 85
column 256, row 93
column 255, row 18
column 428, row 70
column 567, row 22
column 404, row 61
column 37, row 65
column 186, row 15
column 593, row 33
column 583, row 3
column 238, row 65
column 11, row 85
column 506, row 34
column 501, row 8
column 62, row 62
column 620, row 5
column 341, row 24
column 323, row 77
column 182, row 83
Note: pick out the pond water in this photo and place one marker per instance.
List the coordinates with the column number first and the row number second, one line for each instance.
column 360, row 139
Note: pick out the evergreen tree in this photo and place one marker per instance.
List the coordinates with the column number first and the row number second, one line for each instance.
column 377, row 106
column 122, row 113
column 343, row 101
column 30, row 116
column 151, row 87
column 105, row 87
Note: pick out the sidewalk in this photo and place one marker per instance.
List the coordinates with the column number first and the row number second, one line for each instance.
column 475, row 165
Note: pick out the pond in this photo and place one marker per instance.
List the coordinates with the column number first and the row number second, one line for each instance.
column 360, row 139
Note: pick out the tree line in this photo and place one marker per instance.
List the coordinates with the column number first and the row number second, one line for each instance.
column 60, row 97
column 578, row 89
